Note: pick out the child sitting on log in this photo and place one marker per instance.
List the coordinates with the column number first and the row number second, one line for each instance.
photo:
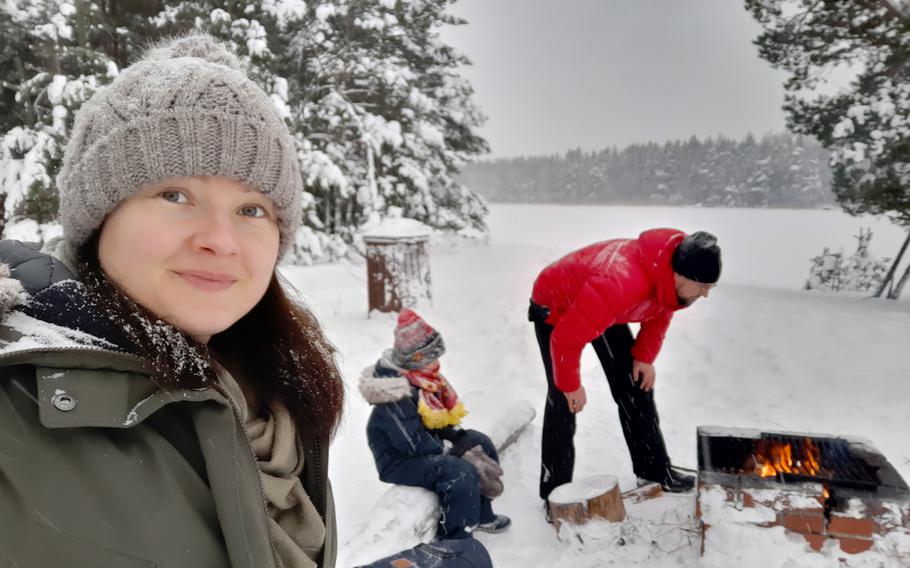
column 415, row 437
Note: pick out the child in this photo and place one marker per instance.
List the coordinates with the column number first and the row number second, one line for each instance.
column 415, row 437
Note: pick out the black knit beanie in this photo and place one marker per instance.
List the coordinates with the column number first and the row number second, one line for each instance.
column 698, row 258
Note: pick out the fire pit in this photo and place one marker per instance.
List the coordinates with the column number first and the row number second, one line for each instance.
column 822, row 487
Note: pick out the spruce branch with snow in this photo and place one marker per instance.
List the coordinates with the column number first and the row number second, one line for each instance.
column 373, row 97
column 865, row 125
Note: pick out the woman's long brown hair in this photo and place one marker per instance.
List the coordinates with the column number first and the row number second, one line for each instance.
column 278, row 347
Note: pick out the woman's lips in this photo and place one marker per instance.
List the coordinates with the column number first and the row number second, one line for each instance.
column 208, row 281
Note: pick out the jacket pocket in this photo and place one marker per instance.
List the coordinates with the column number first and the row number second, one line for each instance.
column 48, row 547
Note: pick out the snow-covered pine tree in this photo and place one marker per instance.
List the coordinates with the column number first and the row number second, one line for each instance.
column 395, row 114
column 866, row 125
column 65, row 63
column 782, row 170
column 373, row 97
column 438, row 118
column 15, row 60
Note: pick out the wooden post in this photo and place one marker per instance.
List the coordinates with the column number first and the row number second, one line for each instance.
column 890, row 276
column 895, row 293
column 587, row 499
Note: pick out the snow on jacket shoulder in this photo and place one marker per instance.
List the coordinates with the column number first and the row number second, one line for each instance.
column 604, row 284
column 395, row 431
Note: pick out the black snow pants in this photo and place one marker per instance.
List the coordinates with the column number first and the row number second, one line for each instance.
column 637, row 411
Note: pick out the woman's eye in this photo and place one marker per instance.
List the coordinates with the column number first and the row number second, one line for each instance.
column 253, row 211
column 173, row 196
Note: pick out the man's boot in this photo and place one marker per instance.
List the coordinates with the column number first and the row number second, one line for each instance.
column 671, row 481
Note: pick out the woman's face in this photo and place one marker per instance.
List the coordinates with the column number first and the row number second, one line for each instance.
column 198, row 252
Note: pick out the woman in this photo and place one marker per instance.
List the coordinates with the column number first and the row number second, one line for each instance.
column 162, row 401
column 415, row 437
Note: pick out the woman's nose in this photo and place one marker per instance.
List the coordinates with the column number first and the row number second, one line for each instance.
column 216, row 234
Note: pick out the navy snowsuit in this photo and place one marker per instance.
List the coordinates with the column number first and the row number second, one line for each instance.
column 407, row 453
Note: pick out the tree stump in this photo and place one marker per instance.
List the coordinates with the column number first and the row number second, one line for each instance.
column 586, row 499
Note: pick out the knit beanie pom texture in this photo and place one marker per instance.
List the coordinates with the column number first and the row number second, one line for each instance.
column 200, row 46
column 185, row 109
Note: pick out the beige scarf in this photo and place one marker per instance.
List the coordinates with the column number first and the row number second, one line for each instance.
column 294, row 523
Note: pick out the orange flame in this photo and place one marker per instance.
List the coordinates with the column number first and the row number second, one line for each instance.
column 773, row 457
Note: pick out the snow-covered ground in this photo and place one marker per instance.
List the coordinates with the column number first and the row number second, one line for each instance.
column 759, row 353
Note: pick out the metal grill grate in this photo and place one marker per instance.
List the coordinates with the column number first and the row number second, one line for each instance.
column 839, row 467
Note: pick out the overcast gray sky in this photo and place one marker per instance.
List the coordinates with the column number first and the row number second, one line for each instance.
column 558, row 74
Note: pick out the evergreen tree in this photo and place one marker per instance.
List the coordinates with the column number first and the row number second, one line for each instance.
column 65, row 64
column 777, row 171
column 395, row 113
column 373, row 98
column 866, row 126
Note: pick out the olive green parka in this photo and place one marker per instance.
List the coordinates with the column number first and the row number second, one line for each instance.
column 99, row 467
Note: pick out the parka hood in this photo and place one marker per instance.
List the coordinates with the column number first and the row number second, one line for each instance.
column 382, row 390
column 384, row 382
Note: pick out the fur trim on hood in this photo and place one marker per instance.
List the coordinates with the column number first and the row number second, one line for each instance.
column 382, row 390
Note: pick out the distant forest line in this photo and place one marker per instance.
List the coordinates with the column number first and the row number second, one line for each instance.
column 780, row 170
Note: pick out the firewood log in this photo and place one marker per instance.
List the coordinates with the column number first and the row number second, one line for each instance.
column 643, row 493
column 406, row 516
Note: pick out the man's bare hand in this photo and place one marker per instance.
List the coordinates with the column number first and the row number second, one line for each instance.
column 577, row 400
column 644, row 375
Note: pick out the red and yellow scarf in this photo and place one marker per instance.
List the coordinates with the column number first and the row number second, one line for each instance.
column 438, row 403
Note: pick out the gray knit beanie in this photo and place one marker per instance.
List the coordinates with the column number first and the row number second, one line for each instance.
column 185, row 109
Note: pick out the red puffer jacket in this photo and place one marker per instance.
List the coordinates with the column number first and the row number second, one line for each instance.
column 611, row 282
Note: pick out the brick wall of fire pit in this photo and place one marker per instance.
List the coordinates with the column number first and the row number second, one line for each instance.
column 744, row 479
